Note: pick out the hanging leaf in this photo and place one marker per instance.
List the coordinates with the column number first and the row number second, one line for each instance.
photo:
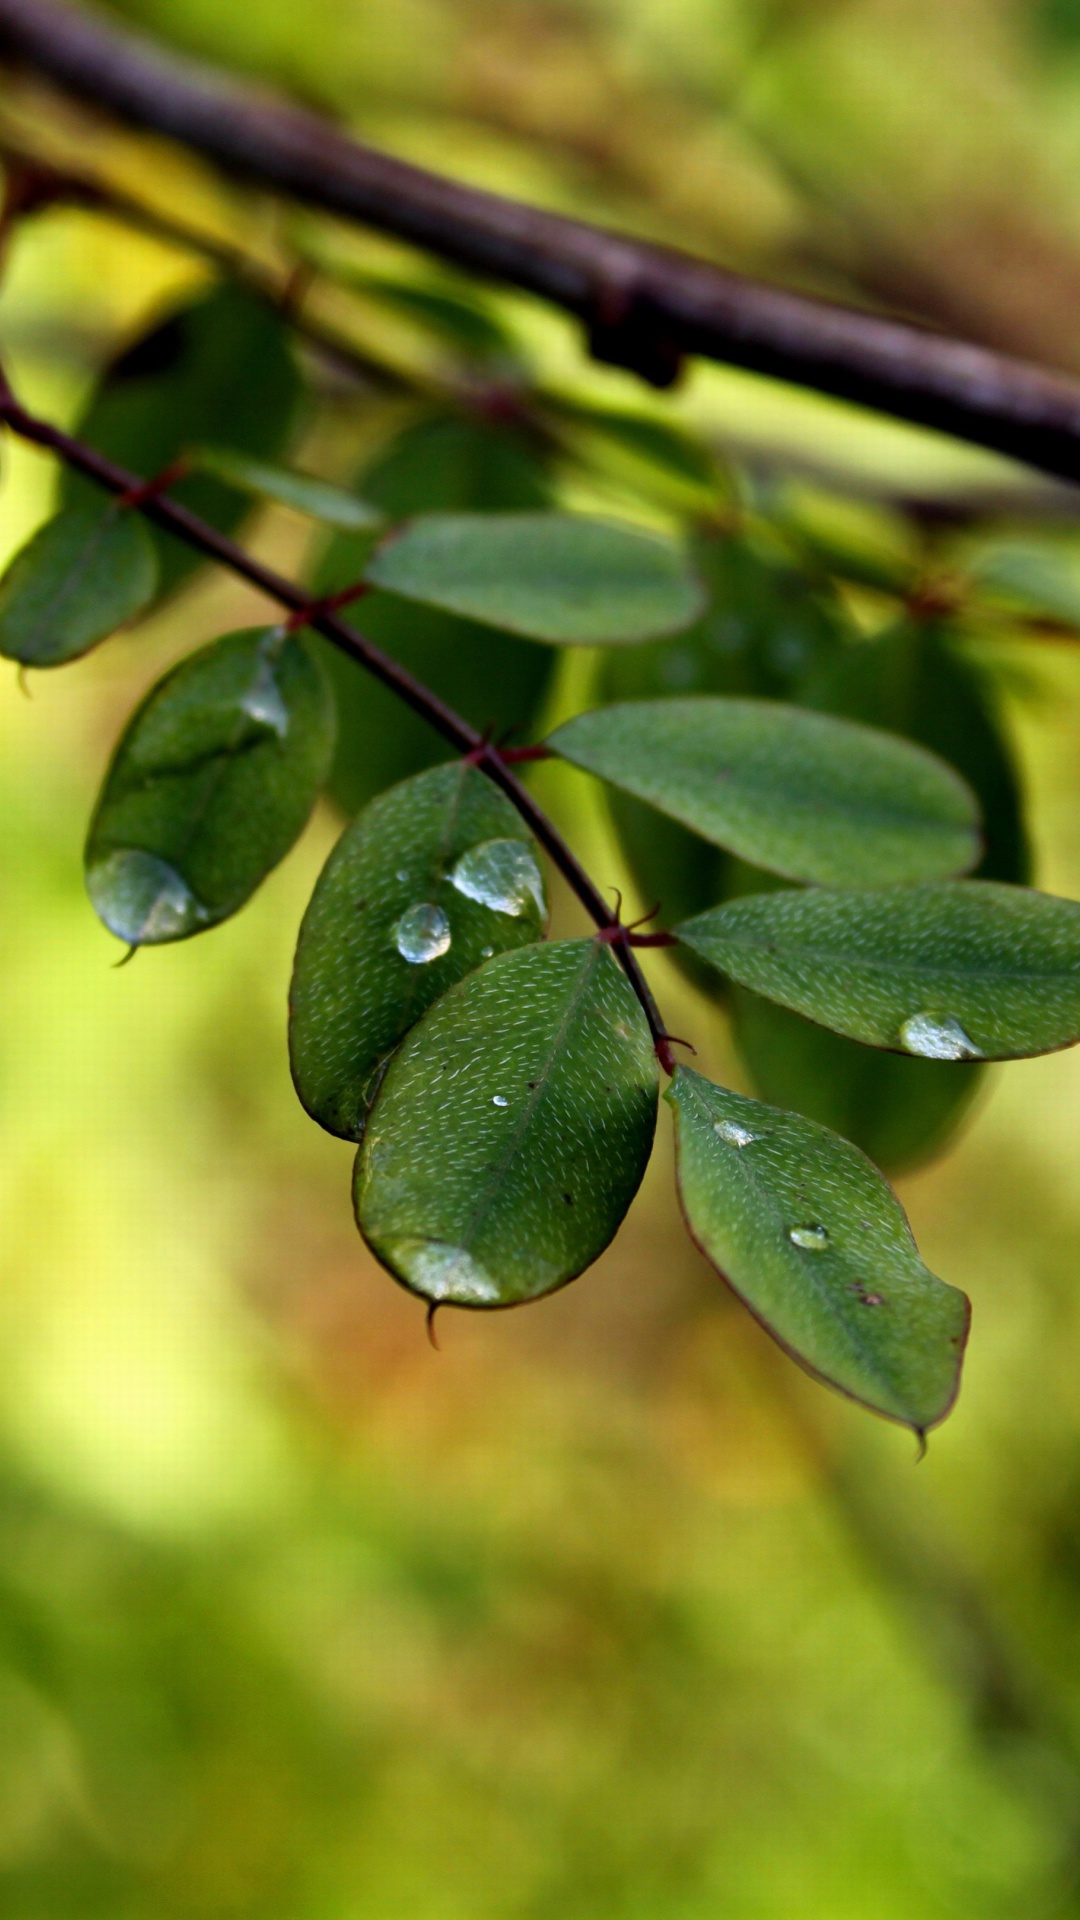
column 801, row 794
column 436, row 876
column 557, row 577
column 212, row 781
column 494, row 679
column 219, row 369
column 809, row 1235
column 334, row 506
column 512, row 1129
column 85, row 572
column 966, row 970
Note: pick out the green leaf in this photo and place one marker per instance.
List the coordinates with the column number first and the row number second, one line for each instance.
column 659, row 445
column 915, row 680
column 966, row 970
column 87, row 571
column 512, row 1129
column 801, row 794
column 494, row 679
column 899, row 1110
column 219, row 369
column 557, row 577
column 1036, row 579
column 334, row 506
column 436, row 876
column 462, row 323
column 809, row 1235
column 211, row 783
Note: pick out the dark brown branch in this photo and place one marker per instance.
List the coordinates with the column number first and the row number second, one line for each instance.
column 175, row 519
column 644, row 305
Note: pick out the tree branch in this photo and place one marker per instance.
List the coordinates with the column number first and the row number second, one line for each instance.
column 146, row 499
column 644, row 306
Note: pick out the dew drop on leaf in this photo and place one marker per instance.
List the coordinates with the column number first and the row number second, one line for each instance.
column 733, row 1133
column 422, row 934
column 501, row 874
column 815, row 1239
column 141, row 898
column 263, row 702
column 499, row 1100
column 933, row 1038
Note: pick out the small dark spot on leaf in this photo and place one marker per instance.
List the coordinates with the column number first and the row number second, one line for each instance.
column 569, row 1198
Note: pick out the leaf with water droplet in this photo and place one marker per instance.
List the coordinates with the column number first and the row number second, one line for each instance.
column 962, row 970
column 85, row 572
column 558, row 577
column 388, row 931
column 512, row 1129
column 501, row 874
column 217, row 368
column 805, row 1230
column 304, row 492
column 801, row 794
column 212, row 781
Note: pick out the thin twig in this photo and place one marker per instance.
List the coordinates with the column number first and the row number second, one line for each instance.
column 176, row 519
column 644, row 305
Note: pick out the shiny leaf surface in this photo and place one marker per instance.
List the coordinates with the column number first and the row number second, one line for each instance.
column 966, row 970
column 809, row 1235
column 434, row 877
column 84, row 573
column 511, row 1130
column 804, row 795
column 561, row 578
column 211, row 783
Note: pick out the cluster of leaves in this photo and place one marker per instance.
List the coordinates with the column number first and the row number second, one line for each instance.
column 799, row 790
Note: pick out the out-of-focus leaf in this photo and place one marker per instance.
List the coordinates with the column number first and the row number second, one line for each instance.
column 85, row 572
column 898, row 1109
column 809, row 1235
column 963, row 970
column 1041, row 581
column 660, row 445
column 465, row 324
column 219, row 370
column 558, row 577
column 321, row 500
column 434, row 877
column 496, row 680
column 801, row 794
column 766, row 626
column 211, row 783
column 511, row 1130
column 914, row 681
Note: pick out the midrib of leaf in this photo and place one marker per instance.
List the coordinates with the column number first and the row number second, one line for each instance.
column 438, row 867
column 490, row 1194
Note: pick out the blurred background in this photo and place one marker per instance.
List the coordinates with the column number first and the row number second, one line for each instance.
column 603, row 1609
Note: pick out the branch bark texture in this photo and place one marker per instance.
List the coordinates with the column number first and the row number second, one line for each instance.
column 644, row 306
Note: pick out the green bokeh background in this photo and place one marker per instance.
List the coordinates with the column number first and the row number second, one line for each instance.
column 603, row 1610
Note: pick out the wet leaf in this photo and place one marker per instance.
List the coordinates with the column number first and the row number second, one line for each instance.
column 334, row 506
column 966, row 970
column 809, row 1235
column 802, row 794
column 211, row 783
column 557, row 577
column 512, row 1129
column 494, row 679
column 219, row 369
column 434, row 877
column 84, row 573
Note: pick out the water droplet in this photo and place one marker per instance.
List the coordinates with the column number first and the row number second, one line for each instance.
column 936, row 1038
column 422, row 934
column 486, row 953
column 501, row 874
column 499, row 1100
column 263, row 702
column 813, row 1238
column 733, row 1133
column 142, row 899
column 443, row 1272
column 402, row 874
